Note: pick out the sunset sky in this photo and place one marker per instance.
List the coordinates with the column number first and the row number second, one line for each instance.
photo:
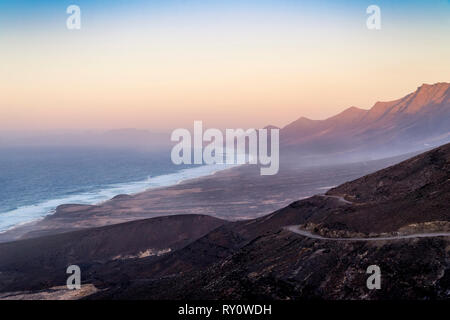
column 163, row 64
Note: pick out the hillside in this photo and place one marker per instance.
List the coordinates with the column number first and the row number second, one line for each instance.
column 263, row 258
column 420, row 119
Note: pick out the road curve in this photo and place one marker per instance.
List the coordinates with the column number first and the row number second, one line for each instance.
column 308, row 234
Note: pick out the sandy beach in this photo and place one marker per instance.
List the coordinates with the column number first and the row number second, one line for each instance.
column 237, row 193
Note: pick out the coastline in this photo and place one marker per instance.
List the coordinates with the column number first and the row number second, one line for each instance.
column 238, row 194
column 108, row 193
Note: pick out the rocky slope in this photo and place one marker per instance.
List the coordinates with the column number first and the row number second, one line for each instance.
column 262, row 259
column 41, row 262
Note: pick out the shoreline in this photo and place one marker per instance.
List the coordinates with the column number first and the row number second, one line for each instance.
column 110, row 196
column 238, row 194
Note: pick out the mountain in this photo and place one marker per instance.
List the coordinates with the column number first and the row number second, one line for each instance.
column 414, row 122
column 320, row 247
column 28, row 261
column 266, row 259
column 417, row 191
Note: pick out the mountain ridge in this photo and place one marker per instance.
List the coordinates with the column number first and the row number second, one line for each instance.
column 417, row 120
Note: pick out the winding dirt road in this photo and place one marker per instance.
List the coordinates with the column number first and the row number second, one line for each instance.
column 297, row 230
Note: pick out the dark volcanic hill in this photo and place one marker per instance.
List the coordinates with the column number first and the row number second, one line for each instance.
column 264, row 259
column 419, row 119
column 414, row 191
column 39, row 261
column 261, row 259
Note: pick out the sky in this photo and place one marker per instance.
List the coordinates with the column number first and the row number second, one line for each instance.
column 160, row 65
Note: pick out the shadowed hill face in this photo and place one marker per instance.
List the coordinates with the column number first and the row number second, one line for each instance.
column 260, row 259
column 284, row 266
column 44, row 260
column 429, row 171
column 415, row 191
column 419, row 119
column 263, row 260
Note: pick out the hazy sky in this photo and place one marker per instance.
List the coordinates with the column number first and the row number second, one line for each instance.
column 162, row 64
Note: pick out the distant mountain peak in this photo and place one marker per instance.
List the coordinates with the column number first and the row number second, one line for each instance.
column 420, row 117
column 353, row 108
column 433, row 93
column 425, row 96
column 349, row 114
column 304, row 119
column 435, row 85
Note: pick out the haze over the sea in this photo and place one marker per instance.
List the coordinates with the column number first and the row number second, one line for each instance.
column 36, row 180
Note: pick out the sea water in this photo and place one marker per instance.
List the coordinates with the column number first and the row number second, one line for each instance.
column 35, row 180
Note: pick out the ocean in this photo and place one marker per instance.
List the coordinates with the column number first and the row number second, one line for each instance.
column 35, row 180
